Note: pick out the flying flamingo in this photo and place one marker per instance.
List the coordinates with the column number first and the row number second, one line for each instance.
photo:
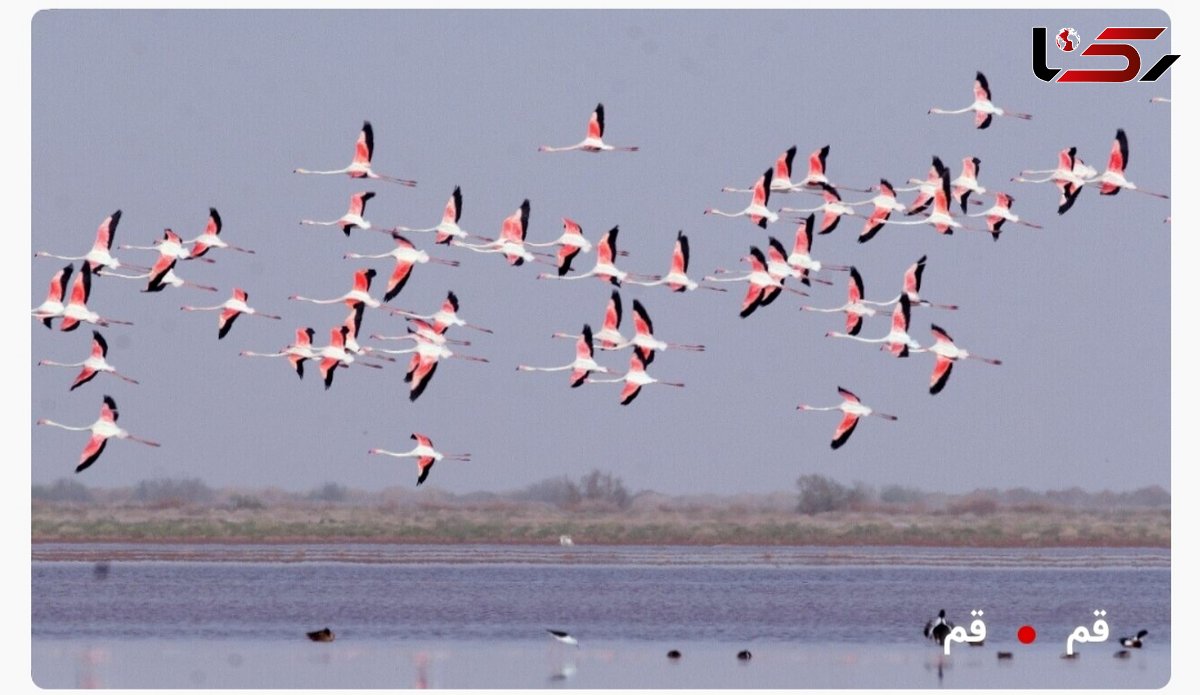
column 583, row 364
column 296, row 353
column 816, row 177
column 425, row 455
column 677, row 280
column 444, row 317
column 1160, row 100
column 833, row 208
column 448, row 229
column 801, row 260
column 1069, row 177
column 940, row 219
column 102, row 430
column 210, row 238
column 53, row 307
column 982, row 106
column 76, row 310
column 854, row 308
column 406, row 256
column 569, row 244
column 353, row 217
column 912, row 288
column 512, row 238
column 335, row 355
column 360, row 167
column 897, row 341
column 757, row 210
column 605, row 268
column 609, row 336
column 161, row 276
column 946, row 353
column 419, row 329
column 171, row 245
column 359, row 293
column 425, row 357
column 885, row 204
column 1000, row 213
column 230, row 309
column 594, row 141
column 100, row 256
column 764, row 287
column 967, row 182
column 925, row 188
column 781, row 181
column 634, row 380
column 93, row 365
column 644, row 343
column 853, row 409
column 353, row 324
column 1113, row 179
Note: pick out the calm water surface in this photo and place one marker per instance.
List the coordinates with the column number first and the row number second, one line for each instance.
column 475, row 616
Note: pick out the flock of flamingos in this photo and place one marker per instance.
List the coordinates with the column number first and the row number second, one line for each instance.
column 937, row 195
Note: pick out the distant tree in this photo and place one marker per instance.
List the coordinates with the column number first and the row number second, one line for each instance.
column 561, row 492
column 63, row 490
column 604, row 488
column 329, row 492
column 819, row 494
column 169, row 492
column 899, row 494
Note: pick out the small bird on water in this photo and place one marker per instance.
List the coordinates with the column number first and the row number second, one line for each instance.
column 674, row 654
column 325, row 635
column 1134, row 642
column 744, row 655
column 938, row 628
column 563, row 637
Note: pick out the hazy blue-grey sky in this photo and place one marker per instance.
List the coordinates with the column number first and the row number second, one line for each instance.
column 163, row 114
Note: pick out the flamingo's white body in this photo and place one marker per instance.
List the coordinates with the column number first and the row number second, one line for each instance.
column 425, row 454
column 764, row 287
column 54, row 306
column 171, row 245
column 445, row 317
column 853, row 410
column 1000, row 213
column 360, row 292
column 1113, row 179
column 609, row 336
column 677, row 280
column 76, row 310
column 93, row 365
column 447, row 230
column 230, row 309
column 634, row 380
column 885, row 204
column 336, row 355
column 757, row 210
column 644, row 343
column 897, row 341
column 583, row 364
column 102, row 430
column 800, row 259
column 605, row 268
column 296, row 353
column 512, row 238
column 946, row 353
column 912, row 288
column 425, row 357
column 211, row 237
column 1069, row 177
column 594, row 142
column 406, row 256
column 100, row 255
column 833, row 209
column 570, row 244
column 161, row 276
column 967, row 182
column 982, row 106
column 353, row 217
column 360, row 166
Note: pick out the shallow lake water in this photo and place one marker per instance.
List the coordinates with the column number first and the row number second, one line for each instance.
column 168, row 616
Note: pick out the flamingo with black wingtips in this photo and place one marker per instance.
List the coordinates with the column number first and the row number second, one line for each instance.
column 594, row 142
column 583, row 364
column 445, row 317
column 103, row 429
column 296, row 353
column 833, row 209
column 967, row 182
column 336, row 355
column 1000, row 213
column 425, row 455
column 677, row 280
column 171, row 245
column 605, row 268
column 512, row 238
column 634, row 380
column 644, row 343
column 1113, row 179
column 897, row 341
column 885, row 204
column 210, row 238
column 360, row 292
column 447, row 230
column 360, row 166
column 853, row 410
column 424, row 361
column 912, row 288
column 854, row 308
column 982, row 106
column 76, row 311
column 757, row 210
column 93, row 365
column 1068, row 177
column 946, row 353
column 230, row 309
column 54, row 306
column 406, row 256
column 162, row 276
column 100, row 256
column 353, row 217
column 763, row 287
column 801, row 260
column 609, row 336
column 570, row 244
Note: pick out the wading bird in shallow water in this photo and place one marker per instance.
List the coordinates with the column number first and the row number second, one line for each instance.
column 353, row 217
column 946, row 353
column 102, row 430
column 211, row 237
column 634, row 380
column 563, row 637
column 937, row 629
column 583, row 365
column 853, row 410
column 360, row 167
column 93, row 365
column 757, row 210
column 230, row 309
column 425, row 455
column 982, row 106
column 100, row 256
column 594, row 142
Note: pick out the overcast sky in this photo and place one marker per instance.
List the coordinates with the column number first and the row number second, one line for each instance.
column 164, row 114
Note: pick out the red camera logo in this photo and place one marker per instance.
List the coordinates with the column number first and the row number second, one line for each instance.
column 1114, row 39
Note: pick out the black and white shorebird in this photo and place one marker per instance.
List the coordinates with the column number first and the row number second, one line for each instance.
column 563, row 637
column 1134, row 642
column 322, row 635
column 937, row 629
